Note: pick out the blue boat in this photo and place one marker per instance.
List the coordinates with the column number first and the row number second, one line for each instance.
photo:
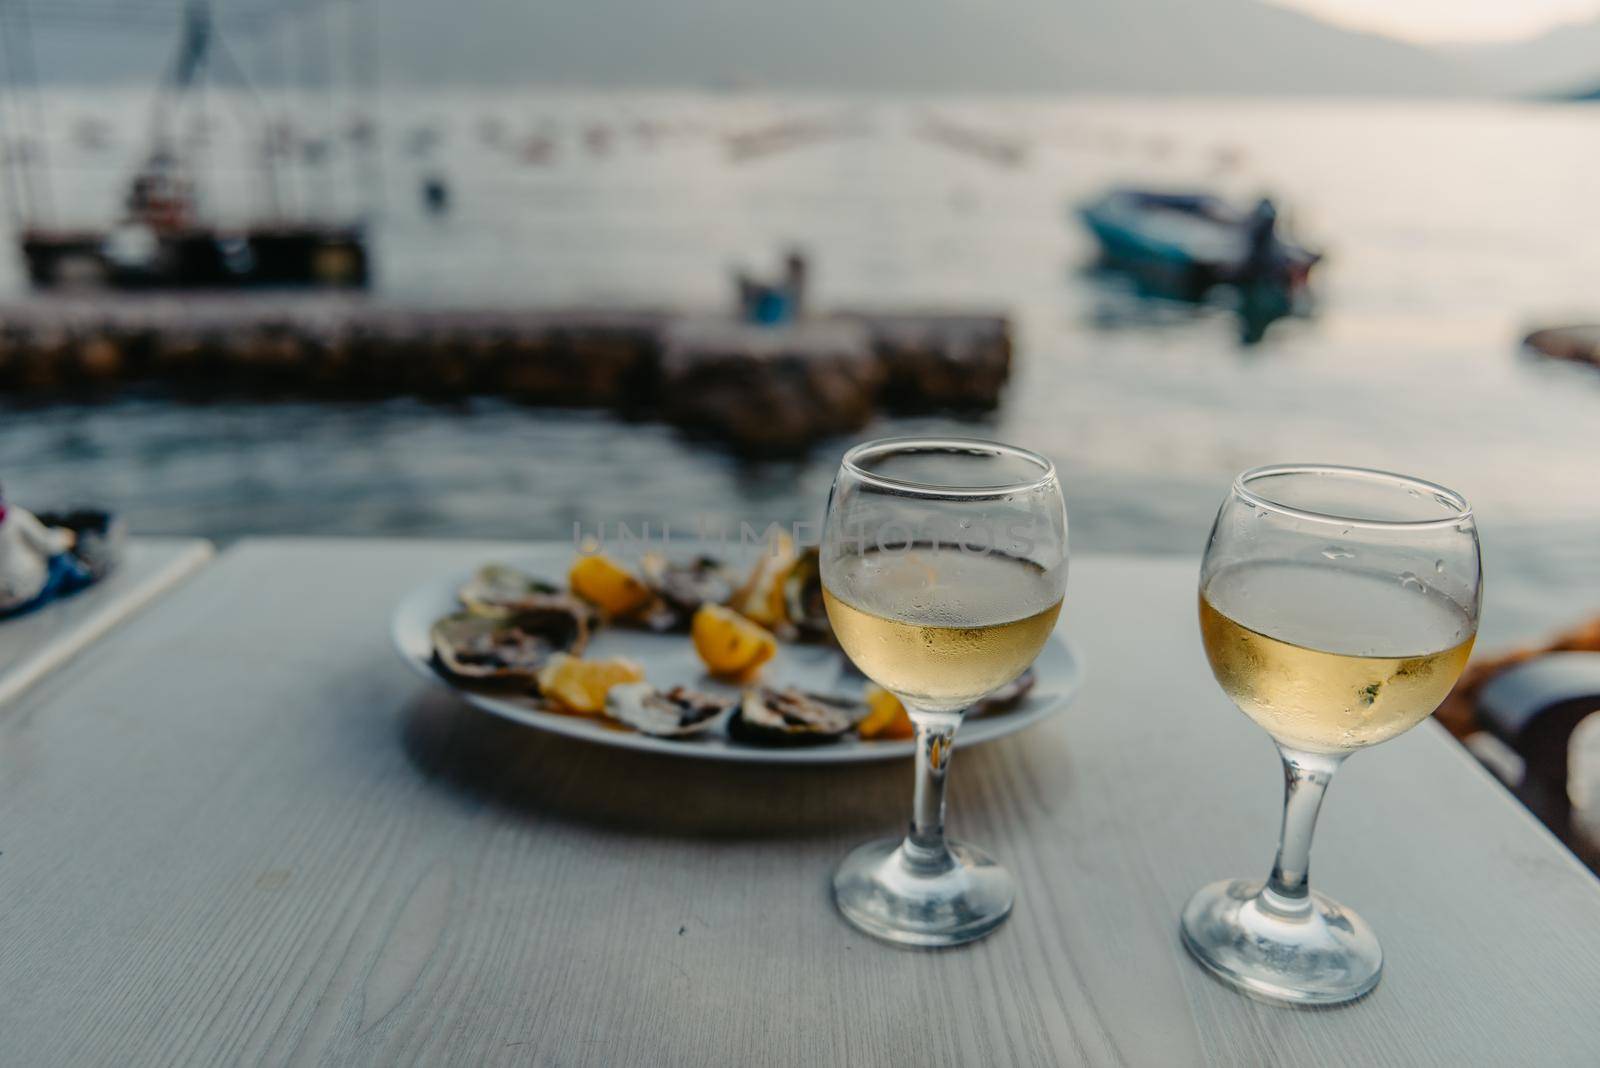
column 1184, row 244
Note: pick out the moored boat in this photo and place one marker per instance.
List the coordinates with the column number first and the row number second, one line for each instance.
column 163, row 236
column 1183, row 244
column 199, row 256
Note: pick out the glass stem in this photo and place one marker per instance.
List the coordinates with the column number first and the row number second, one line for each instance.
column 924, row 849
column 1305, row 780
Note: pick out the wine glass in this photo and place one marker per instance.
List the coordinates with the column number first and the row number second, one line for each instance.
column 1338, row 606
column 944, row 561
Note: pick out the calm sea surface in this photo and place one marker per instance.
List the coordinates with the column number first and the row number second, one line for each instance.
column 1449, row 229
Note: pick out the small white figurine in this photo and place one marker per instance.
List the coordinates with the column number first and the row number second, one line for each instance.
column 34, row 560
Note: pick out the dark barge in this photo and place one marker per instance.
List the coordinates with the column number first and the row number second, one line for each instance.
column 201, row 257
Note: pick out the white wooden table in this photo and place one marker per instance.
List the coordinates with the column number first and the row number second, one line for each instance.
column 243, row 832
column 35, row 644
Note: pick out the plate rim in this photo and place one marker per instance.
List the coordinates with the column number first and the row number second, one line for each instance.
column 584, row 728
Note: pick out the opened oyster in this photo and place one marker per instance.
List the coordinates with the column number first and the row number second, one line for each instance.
column 499, row 592
column 802, row 598
column 480, row 649
column 681, row 587
column 760, row 598
column 676, row 713
column 1008, row 696
column 790, row 717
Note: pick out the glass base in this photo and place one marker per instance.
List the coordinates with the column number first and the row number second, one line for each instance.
column 945, row 901
column 1324, row 956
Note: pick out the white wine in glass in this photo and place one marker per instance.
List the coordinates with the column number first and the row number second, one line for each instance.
column 1338, row 607
column 944, row 562
column 1331, row 660
column 938, row 626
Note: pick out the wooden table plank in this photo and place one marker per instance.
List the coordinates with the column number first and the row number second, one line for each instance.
column 243, row 832
column 35, row 644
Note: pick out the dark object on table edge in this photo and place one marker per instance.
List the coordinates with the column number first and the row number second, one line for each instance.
column 1517, row 712
column 97, row 549
column 101, row 537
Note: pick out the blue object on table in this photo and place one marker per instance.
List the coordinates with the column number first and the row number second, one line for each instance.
column 64, row 575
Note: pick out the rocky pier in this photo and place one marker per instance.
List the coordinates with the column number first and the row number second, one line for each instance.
column 762, row 389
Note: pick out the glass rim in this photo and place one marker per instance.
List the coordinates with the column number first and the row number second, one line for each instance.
column 853, row 456
column 1446, row 495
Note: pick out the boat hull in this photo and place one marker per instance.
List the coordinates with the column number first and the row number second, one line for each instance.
column 203, row 258
column 1183, row 245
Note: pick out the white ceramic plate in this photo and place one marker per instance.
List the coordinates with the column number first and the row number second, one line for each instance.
column 669, row 659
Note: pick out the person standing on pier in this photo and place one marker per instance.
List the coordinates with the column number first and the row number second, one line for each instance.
column 773, row 304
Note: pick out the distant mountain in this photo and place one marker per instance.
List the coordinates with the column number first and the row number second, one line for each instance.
column 1214, row 46
column 1140, row 45
column 1565, row 59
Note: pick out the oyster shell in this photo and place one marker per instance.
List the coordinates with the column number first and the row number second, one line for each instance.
column 802, row 598
column 791, row 717
column 676, row 713
column 499, row 592
column 1008, row 696
column 760, row 598
column 681, row 587
column 480, row 649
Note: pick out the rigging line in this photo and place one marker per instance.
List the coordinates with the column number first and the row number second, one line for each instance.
column 97, row 31
column 101, row 20
column 225, row 59
column 270, row 65
column 199, row 140
column 222, row 57
column 317, row 68
column 283, row 127
column 357, row 132
column 330, row 91
column 24, row 7
column 204, row 75
column 59, row 12
column 263, row 14
column 21, row 147
column 300, row 30
column 364, row 74
column 151, row 8
column 100, row 15
column 160, row 106
column 214, row 63
column 127, row 7
column 332, row 105
column 13, row 191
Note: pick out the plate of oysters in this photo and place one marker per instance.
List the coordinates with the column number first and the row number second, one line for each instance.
column 681, row 653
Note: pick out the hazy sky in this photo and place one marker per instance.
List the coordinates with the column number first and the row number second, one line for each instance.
column 1450, row 20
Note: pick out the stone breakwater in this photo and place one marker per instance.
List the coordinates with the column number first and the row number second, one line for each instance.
column 762, row 389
